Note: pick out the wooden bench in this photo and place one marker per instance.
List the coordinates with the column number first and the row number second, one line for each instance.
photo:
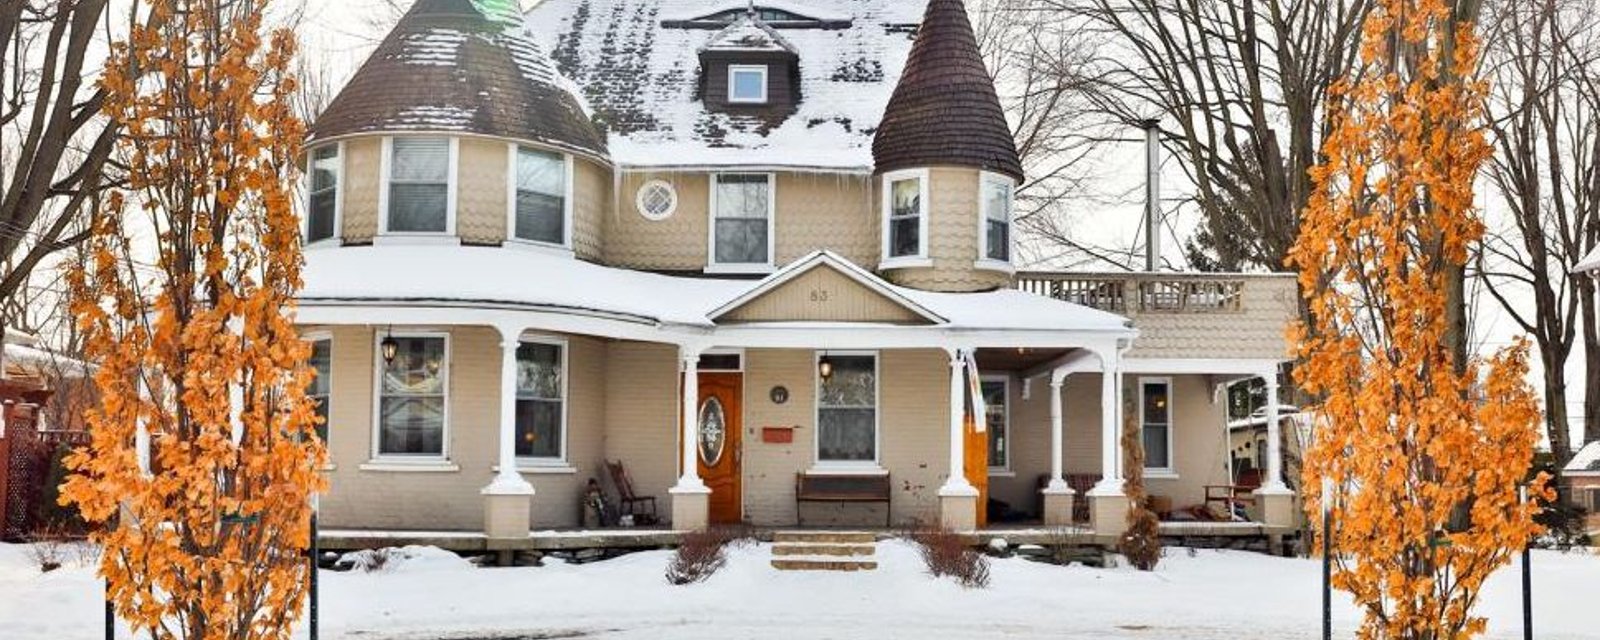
column 836, row 487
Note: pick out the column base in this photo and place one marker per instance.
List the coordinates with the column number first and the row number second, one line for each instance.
column 505, row 515
column 1274, row 506
column 1108, row 512
column 1057, row 506
column 691, row 508
column 958, row 512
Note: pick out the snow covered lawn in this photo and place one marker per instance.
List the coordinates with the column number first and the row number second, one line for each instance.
column 1209, row 594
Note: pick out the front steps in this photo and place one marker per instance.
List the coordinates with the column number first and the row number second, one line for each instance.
column 824, row 551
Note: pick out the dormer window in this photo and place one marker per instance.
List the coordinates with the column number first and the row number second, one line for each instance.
column 747, row 83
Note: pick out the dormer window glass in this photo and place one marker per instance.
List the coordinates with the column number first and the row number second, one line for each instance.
column 540, row 197
column 905, row 215
column 322, row 206
column 999, row 195
column 419, row 185
column 741, row 230
column 747, row 83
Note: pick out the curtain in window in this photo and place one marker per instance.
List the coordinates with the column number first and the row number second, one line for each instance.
column 411, row 402
column 539, row 399
column 541, row 196
column 998, row 198
column 419, row 179
column 905, row 217
column 324, row 193
column 1157, row 424
column 741, row 218
column 847, row 411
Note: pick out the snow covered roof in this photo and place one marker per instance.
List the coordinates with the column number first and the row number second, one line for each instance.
column 463, row 66
column 32, row 361
column 748, row 34
column 1590, row 262
column 638, row 65
column 500, row 277
column 1586, row 461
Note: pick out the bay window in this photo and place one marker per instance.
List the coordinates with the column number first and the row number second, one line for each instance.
column 541, row 399
column 322, row 201
column 418, row 193
column 847, row 408
column 905, row 215
column 1155, row 423
column 539, row 197
column 741, row 211
column 413, row 396
column 997, row 198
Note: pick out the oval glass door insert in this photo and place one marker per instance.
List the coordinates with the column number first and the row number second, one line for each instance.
column 713, row 431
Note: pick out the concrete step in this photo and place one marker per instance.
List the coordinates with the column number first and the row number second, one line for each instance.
column 822, row 563
column 822, row 549
column 830, row 537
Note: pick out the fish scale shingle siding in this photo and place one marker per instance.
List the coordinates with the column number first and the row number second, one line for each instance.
column 362, row 162
column 1257, row 330
column 481, row 191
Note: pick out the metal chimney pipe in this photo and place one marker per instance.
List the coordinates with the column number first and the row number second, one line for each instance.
column 1152, row 195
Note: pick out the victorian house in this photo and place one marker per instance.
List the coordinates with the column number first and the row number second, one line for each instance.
column 756, row 255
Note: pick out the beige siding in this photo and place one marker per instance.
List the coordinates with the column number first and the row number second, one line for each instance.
column 1257, row 330
column 362, row 162
column 676, row 243
column 820, row 211
column 481, row 208
column 591, row 198
column 823, row 294
column 952, row 237
column 641, row 415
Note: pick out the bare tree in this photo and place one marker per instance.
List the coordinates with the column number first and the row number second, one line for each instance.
column 1544, row 114
column 1240, row 87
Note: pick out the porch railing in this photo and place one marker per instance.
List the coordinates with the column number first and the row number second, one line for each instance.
column 1138, row 292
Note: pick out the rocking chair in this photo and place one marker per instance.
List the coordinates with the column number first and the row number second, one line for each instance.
column 641, row 508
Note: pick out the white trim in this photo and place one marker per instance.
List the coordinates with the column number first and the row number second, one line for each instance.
column 1005, row 380
column 1168, row 470
column 530, row 466
column 392, row 465
column 338, row 197
column 723, row 351
column 825, row 258
column 842, row 469
column 920, row 258
column 408, row 460
column 451, row 186
column 638, row 199
column 566, row 382
column 712, row 266
column 984, row 261
column 513, row 158
column 734, row 69
column 847, row 466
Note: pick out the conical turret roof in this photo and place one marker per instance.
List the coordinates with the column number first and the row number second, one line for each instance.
column 945, row 111
column 462, row 66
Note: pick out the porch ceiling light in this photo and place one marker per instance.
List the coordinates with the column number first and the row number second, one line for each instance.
column 390, row 347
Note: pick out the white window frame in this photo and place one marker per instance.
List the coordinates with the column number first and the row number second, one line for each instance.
column 766, row 87
column 399, row 461
column 1005, row 469
column 566, row 382
column 1171, row 469
column 638, row 200
column 338, row 197
column 452, row 180
column 311, row 338
column 986, row 178
column 847, row 466
column 563, row 247
column 712, row 266
column 887, row 205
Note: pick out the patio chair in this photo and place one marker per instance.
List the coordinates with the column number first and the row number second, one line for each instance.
column 641, row 508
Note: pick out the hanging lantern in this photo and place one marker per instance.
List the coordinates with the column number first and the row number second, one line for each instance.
column 824, row 368
column 390, row 347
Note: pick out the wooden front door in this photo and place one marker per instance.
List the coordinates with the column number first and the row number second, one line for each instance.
column 721, row 422
column 975, row 463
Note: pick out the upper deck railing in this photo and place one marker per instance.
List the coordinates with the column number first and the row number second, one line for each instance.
column 1138, row 292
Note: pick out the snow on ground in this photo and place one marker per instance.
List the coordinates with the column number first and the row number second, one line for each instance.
column 1203, row 595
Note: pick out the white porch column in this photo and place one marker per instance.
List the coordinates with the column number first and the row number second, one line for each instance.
column 1108, row 506
column 1057, row 495
column 691, row 498
column 1275, row 502
column 958, row 499
column 508, row 497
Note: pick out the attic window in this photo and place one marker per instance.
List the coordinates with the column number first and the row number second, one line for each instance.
column 747, row 84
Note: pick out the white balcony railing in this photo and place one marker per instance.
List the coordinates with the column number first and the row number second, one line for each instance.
column 1141, row 292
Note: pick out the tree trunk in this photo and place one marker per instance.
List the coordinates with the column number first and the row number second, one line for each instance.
column 1591, row 362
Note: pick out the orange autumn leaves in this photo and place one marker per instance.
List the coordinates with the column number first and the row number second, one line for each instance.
column 185, row 302
column 1426, row 456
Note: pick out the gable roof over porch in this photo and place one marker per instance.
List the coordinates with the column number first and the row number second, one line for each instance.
column 824, row 287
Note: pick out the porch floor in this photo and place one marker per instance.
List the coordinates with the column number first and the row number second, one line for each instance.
column 644, row 538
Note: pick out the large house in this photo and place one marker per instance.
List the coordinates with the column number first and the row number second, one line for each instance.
column 753, row 252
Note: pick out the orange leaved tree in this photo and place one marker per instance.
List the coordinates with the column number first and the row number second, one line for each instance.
column 185, row 303
column 1425, row 447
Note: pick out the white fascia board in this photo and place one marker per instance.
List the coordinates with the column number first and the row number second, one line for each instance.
column 1241, row 366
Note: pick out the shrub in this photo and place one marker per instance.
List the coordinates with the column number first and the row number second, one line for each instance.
column 52, row 514
column 48, row 549
column 699, row 555
column 946, row 554
column 367, row 560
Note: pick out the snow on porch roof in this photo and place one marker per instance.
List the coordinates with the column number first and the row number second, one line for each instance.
column 494, row 276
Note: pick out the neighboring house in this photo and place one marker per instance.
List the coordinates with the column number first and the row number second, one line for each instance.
column 1582, row 477
column 729, row 245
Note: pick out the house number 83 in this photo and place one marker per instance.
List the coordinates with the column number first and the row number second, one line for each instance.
column 819, row 295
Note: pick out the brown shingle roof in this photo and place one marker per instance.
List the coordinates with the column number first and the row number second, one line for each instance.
column 461, row 66
column 944, row 111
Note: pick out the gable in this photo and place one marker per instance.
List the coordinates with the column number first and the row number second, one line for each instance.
column 822, row 294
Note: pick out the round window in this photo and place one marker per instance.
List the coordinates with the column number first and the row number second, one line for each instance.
column 657, row 200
